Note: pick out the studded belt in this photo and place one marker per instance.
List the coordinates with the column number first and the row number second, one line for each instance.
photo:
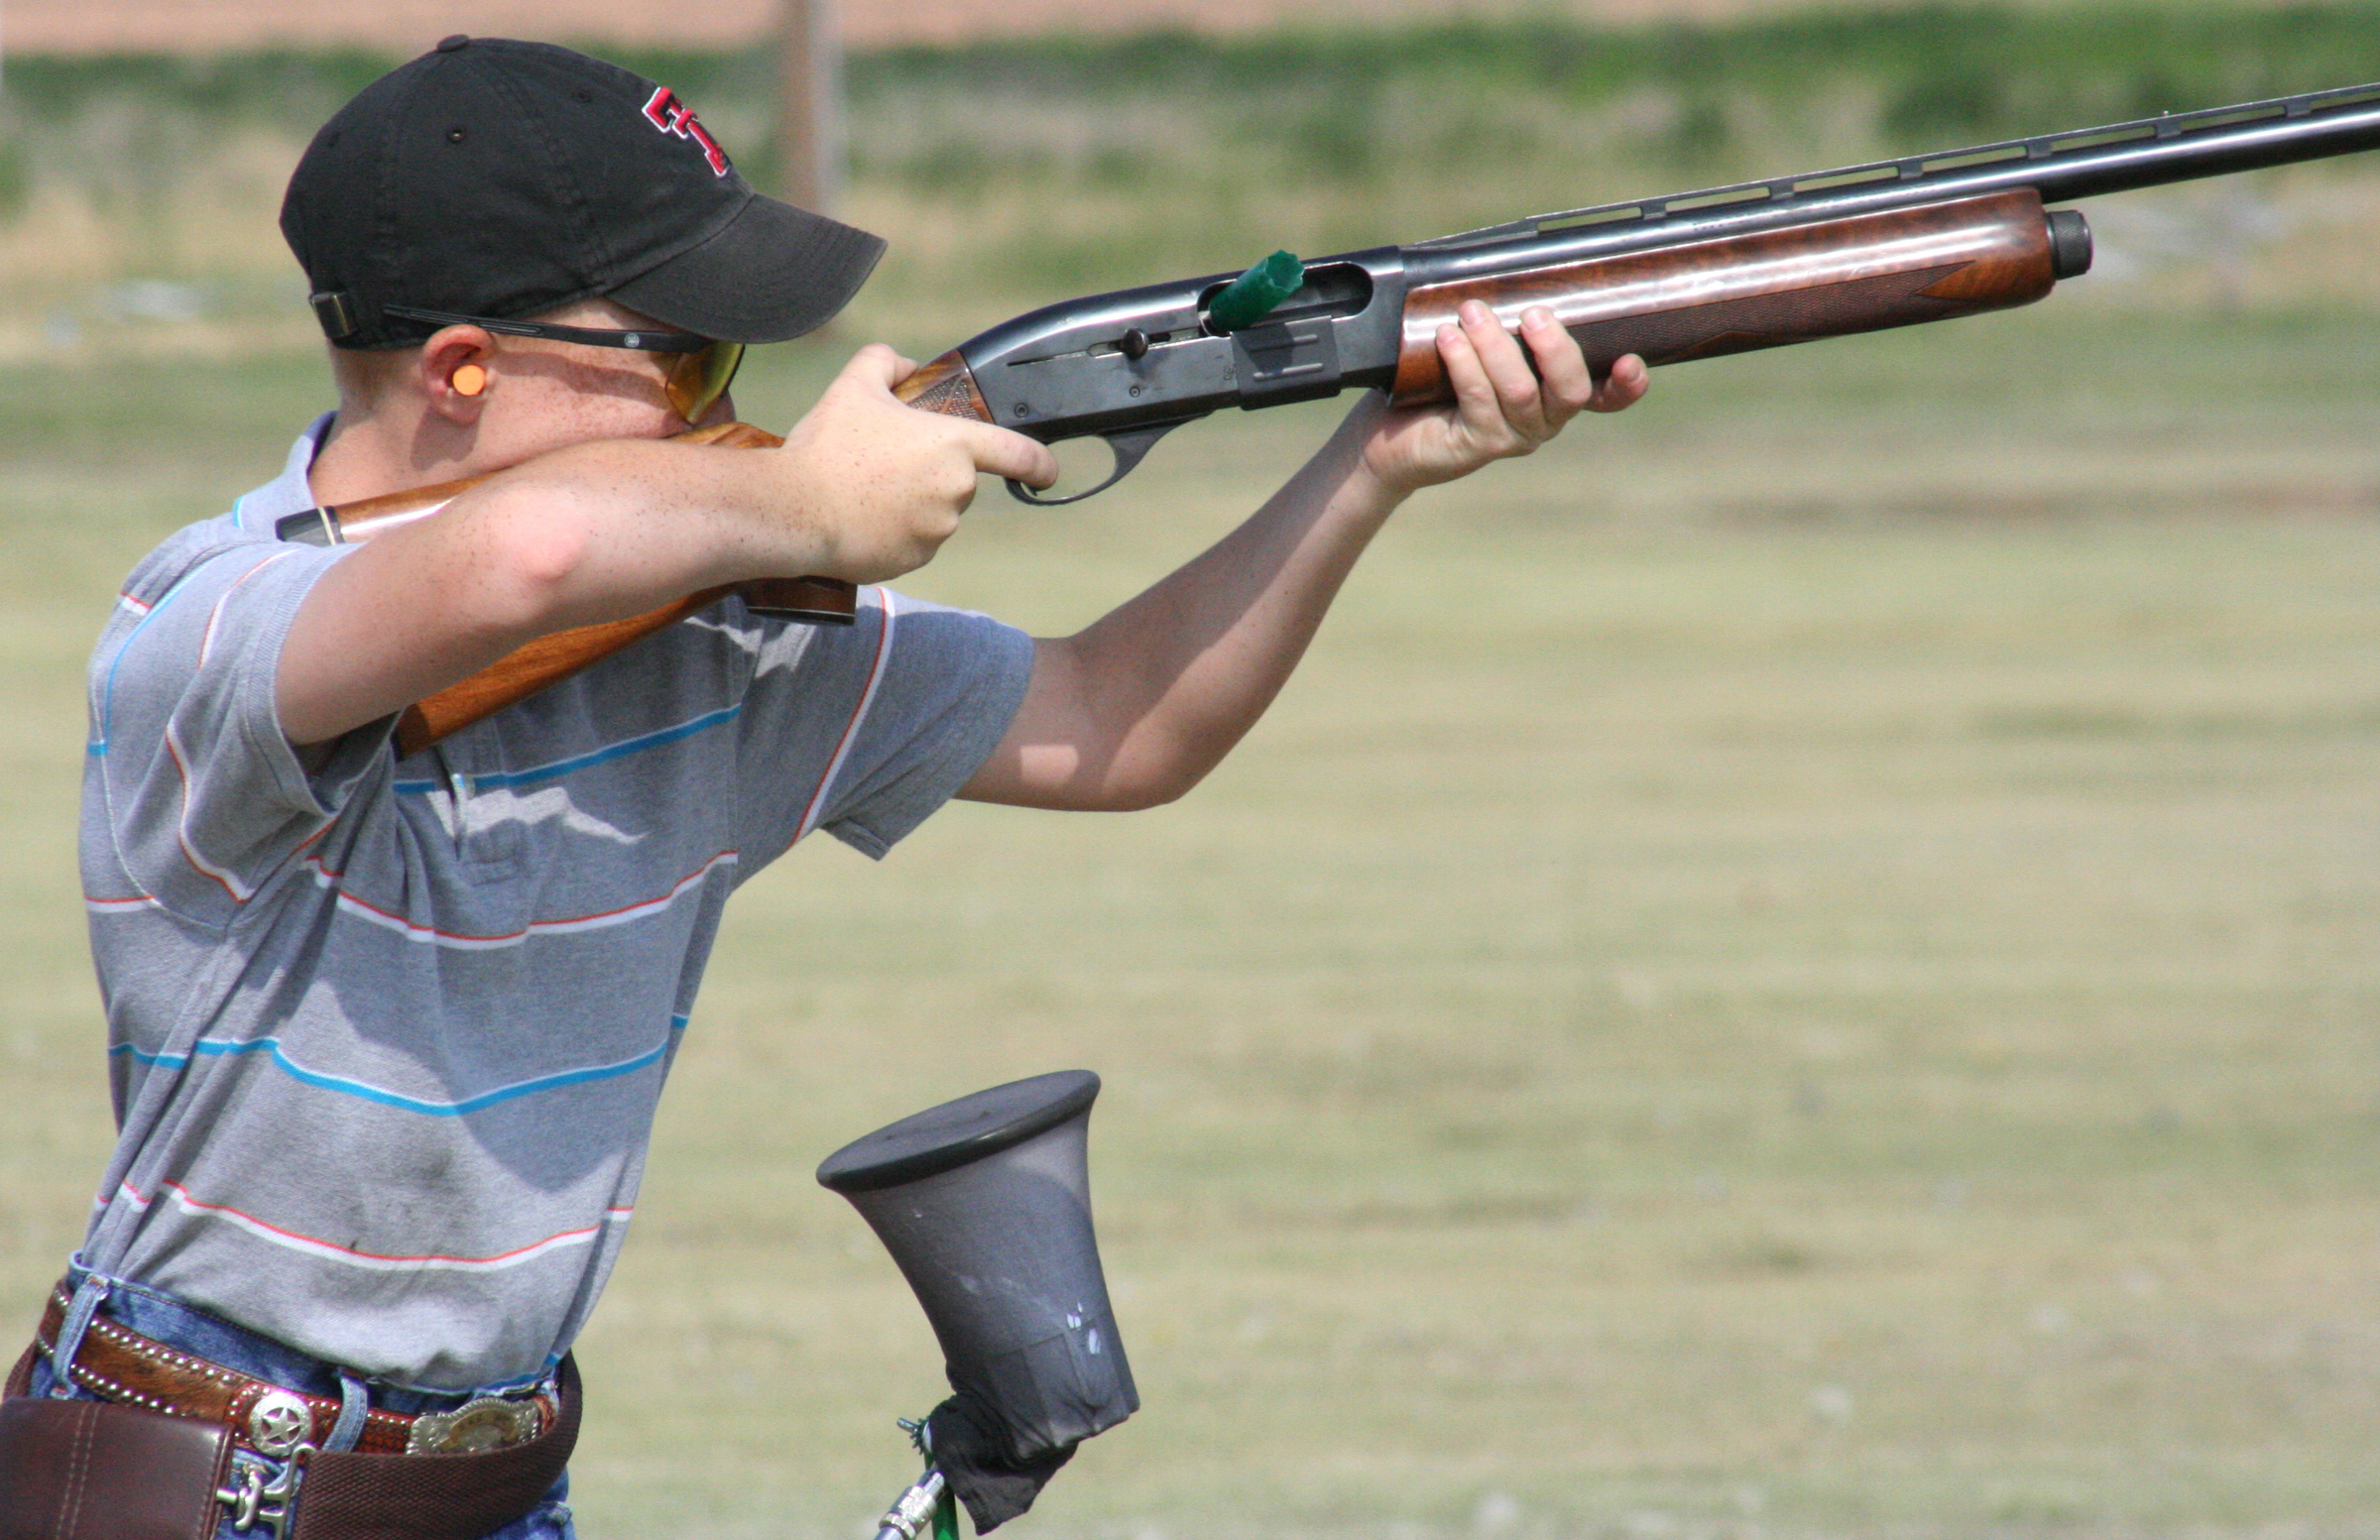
column 120, row 1365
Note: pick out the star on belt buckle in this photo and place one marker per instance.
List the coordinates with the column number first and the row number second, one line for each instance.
column 475, row 1427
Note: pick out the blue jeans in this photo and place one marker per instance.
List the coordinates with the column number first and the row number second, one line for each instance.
column 162, row 1318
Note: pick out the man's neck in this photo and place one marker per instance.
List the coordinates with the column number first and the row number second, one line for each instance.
column 372, row 454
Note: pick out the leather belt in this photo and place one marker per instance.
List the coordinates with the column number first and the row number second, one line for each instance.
column 121, row 1364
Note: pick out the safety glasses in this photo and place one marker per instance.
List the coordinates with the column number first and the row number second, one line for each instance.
column 696, row 371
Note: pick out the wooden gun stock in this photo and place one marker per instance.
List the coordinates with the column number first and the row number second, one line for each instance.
column 945, row 385
column 819, row 601
column 549, row 660
column 942, row 384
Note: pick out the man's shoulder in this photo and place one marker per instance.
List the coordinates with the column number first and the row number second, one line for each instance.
column 183, row 552
column 249, row 521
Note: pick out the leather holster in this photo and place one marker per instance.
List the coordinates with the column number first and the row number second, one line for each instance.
column 96, row 1471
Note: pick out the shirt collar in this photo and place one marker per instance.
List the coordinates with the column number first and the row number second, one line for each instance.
column 289, row 492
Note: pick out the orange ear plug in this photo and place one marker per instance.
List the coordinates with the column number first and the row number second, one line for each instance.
column 470, row 380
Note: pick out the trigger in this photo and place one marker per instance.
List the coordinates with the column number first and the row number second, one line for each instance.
column 1129, row 449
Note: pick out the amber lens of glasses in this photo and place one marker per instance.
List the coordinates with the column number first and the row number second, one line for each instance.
column 695, row 380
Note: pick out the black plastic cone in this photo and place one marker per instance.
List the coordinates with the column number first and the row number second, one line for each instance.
column 984, row 1203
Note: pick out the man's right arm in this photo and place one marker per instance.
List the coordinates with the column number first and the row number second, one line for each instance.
column 864, row 489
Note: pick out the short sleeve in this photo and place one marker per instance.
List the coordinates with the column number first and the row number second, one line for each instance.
column 866, row 731
column 206, row 799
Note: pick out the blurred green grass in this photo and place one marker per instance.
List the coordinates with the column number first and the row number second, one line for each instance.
column 1017, row 172
column 1799, row 964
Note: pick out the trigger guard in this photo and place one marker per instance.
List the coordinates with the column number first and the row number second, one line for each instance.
column 1025, row 494
column 1129, row 449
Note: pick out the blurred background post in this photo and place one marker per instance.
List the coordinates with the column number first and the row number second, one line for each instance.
column 1826, row 990
column 809, row 125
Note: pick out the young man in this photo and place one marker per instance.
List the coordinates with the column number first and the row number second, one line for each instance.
column 387, row 1034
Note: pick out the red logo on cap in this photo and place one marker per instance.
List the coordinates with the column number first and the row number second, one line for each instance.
column 673, row 116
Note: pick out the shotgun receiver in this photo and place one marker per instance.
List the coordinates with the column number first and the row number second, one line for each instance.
column 1695, row 274
column 1726, row 270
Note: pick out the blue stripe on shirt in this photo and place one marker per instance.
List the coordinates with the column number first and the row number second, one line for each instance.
column 560, row 768
column 107, row 696
column 211, row 1048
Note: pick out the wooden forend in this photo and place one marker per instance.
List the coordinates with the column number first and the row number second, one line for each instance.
column 1746, row 291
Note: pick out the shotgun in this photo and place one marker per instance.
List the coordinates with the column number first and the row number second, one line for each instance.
column 1694, row 274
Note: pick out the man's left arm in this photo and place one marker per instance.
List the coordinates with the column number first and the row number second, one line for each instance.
column 1134, row 711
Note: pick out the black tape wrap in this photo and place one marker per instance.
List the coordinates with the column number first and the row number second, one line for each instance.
column 973, row 1458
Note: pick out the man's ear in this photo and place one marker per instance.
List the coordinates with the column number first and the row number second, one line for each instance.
column 457, row 372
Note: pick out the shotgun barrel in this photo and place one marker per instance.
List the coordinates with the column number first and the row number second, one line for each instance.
column 2086, row 163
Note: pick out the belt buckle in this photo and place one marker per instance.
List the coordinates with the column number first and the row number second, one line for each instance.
column 474, row 1428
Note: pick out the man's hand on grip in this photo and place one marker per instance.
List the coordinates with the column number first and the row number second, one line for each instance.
column 887, row 483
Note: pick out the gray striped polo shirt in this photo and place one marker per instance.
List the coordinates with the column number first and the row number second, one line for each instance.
column 386, row 1037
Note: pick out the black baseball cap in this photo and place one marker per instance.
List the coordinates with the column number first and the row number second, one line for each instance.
column 503, row 178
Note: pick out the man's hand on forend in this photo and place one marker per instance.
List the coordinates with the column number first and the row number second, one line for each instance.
column 1506, row 401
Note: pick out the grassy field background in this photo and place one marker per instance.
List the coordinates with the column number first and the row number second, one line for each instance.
column 1802, row 964
column 138, row 195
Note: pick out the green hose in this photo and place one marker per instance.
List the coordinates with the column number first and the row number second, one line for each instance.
column 946, row 1516
column 1250, row 297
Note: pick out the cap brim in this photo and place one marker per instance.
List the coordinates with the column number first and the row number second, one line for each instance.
column 771, row 273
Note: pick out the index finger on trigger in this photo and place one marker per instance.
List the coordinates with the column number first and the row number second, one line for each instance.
column 999, row 452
